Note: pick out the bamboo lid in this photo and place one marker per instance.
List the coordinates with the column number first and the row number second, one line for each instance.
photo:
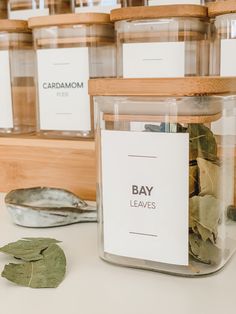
column 188, row 86
column 163, row 11
column 69, row 19
column 14, row 25
column 221, row 7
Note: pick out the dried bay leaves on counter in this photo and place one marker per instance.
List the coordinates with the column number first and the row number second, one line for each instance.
column 205, row 216
column 45, row 273
column 209, row 177
column 43, row 263
column 204, row 251
column 202, row 142
column 28, row 249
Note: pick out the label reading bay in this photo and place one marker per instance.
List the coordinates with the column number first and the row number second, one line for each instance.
column 6, row 117
column 154, row 60
column 145, row 195
column 63, row 89
column 228, row 52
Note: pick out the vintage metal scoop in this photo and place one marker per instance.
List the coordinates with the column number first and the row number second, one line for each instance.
column 47, row 207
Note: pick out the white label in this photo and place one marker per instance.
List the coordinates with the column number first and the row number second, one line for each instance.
column 145, row 195
column 64, row 102
column 167, row 2
column 228, row 53
column 154, row 60
column 6, row 118
column 26, row 14
column 103, row 8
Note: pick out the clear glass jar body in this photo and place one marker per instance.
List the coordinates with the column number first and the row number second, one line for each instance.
column 80, row 52
column 140, row 183
column 3, row 9
column 166, row 47
column 223, row 48
column 17, row 104
column 24, row 9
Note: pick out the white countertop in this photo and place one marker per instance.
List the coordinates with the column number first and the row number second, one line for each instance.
column 92, row 286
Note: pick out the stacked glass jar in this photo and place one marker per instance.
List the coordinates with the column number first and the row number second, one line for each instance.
column 17, row 89
column 70, row 49
column 159, row 147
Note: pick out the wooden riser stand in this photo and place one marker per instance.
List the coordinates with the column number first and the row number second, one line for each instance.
column 28, row 162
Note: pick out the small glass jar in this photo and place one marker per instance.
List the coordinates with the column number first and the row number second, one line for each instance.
column 223, row 48
column 166, row 181
column 70, row 49
column 17, row 90
column 3, row 9
column 162, row 41
column 25, row 9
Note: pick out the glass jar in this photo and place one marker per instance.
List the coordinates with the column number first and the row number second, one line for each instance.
column 3, row 9
column 166, row 181
column 17, row 90
column 162, row 41
column 24, row 9
column 70, row 49
column 223, row 49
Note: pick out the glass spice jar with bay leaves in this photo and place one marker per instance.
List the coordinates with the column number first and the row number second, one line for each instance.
column 17, row 89
column 25, row 9
column 173, row 178
column 162, row 41
column 70, row 49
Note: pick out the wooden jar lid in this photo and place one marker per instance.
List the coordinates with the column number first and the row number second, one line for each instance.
column 188, row 86
column 14, row 26
column 163, row 11
column 69, row 19
column 221, row 7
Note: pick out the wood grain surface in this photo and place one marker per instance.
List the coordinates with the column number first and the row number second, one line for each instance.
column 28, row 162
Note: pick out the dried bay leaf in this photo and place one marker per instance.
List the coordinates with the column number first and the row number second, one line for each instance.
column 209, row 177
column 45, row 273
column 28, row 249
column 204, row 251
column 193, row 179
column 202, row 142
column 204, row 216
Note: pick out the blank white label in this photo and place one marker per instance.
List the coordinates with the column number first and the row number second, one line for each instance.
column 64, row 102
column 6, row 116
column 154, row 60
column 97, row 8
column 145, row 195
column 167, row 2
column 228, row 53
column 26, row 14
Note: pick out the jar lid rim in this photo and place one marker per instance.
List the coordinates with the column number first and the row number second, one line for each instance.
column 69, row 19
column 221, row 7
column 13, row 25
column 163, row 11
column 186, row 86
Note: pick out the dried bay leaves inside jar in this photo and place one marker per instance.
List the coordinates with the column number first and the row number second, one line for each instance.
column 44, row 263
column 204, row 251
column 202, row 142
column 205, row 216
column 204, row 181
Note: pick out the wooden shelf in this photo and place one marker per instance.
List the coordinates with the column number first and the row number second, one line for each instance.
column 32, row 161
